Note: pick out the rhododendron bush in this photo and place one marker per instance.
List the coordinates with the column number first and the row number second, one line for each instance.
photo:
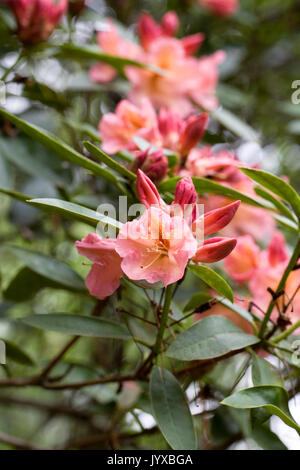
column 150, row 255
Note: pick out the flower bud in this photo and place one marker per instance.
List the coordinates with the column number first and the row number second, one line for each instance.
column 193, row 132
column 147, row 191
column 170, row 23
column 216, row 220
column 37, row 19
column 215, row 249
column 148, row 30
column 192, row 43
column 185, row 195
column 154, row 164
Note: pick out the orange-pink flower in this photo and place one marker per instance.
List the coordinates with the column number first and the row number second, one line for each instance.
column 263, row 270
column 222, row 167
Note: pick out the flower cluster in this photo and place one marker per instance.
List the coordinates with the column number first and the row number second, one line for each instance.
column 174, row 78
column 157, row 246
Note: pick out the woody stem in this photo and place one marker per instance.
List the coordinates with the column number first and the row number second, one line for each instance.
column 280, row 286
column 164, row 318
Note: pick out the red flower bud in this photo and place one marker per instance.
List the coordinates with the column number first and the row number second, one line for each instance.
column 154, row 164
column 170, row 23
column 193, row 132
column 215, row 249
column 148, row 30
column 37, row 19
column 146, row 189
column 218, row 218
column 192, row 43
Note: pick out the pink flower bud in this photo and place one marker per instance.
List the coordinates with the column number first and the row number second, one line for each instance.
column 148, row 30
column 216, row 220
column 170, row 23
column 193, row 132
column 147, row 191
column 154, row 164
column 185, row 194
column 37, row 19
column 192, row 43
column 215, row 249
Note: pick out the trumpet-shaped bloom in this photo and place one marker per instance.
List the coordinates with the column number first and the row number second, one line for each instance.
column 37, row 19
column 156, row 247
column 118, row 129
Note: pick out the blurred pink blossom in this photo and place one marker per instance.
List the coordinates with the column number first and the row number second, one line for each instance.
column 220, row 7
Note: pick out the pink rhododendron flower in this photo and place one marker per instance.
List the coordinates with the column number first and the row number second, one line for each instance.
column 183, row 78
column 222, row 167
column 149, row 30
column 157, row 246
column 117, row 130
column 264, row 269
column 220, row 7
column 167, row 130
column 151, row 249
column 37, row 19
column 104, row 276
column 111, row 42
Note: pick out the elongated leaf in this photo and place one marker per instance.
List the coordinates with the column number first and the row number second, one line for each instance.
column 16, row 354
column 110, row 162
column 78, row 325
column 213, row 336
column 214, row 280
column 26, row 284
column 49, row 268
column 273, row 398
column 15, row 194
column 276, row 185
column 74, row 211
column 266, row 439
column 238, row 309
column 276, row 202
column 63, row 150
column 81, row 53
column 196, row 301
column 235, row 124
column 171, row 410
column 263, row 373
column 204, row 185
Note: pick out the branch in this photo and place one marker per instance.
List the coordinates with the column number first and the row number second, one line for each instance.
column 16, row 442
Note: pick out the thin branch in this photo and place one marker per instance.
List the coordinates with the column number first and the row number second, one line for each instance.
column 18, row 443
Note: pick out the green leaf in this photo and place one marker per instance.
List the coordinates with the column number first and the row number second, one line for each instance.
column 16, row 354
column 61, row 149
column 234, row 124
column 204, row 185
column 273, row 398
column 25, row 285
column 263, row 373
column 266, row 439
column 74, row 211
column 276, row 202
column 82, row 53
column 214, row 280
column 238, row 309
column 171, row 410
column 78, row 325
column 110, row 162
column 6, row 180
column 15, row 195
column 276, row 185
column 211, row 337
column 196, row 301
column 49, row 268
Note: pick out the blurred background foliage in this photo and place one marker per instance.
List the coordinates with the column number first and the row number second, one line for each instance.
column 262, row 41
